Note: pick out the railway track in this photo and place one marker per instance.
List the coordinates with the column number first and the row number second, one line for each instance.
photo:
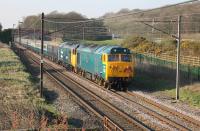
column 97, row 105
column 157, row 111
column 186, row 120
column 151, row 112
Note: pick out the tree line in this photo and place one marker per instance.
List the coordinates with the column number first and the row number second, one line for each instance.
column 5, row 35
column 92, row 30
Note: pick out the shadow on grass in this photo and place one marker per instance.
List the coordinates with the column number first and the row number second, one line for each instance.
column 32, row 69
column 150, row 84
column 50, row 96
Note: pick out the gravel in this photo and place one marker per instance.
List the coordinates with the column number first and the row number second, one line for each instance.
column 78, row 117
column 126, row 106
column 179, row 106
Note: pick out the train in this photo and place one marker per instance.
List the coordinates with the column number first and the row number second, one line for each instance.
column 110, row 66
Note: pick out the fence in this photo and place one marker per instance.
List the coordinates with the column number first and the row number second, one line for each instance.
column 185, row 60
column 165, row 66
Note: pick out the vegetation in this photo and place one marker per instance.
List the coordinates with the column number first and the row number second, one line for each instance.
column 34, row 20
column 142, row 45
column 188, row 94
column 20, row 104
column 6, row 36
column 163, row 87
column 94, row 30
column 17, row 90
column 1, row 27
column 191, row 48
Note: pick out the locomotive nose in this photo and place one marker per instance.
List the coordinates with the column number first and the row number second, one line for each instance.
column 128, row 69
column 120, row 69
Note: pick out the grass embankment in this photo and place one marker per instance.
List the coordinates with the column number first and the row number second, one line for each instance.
column 162, row 87
column 19, row 94
column 189, row 94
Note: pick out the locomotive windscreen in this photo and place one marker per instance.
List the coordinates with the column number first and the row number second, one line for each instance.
column 120, row 51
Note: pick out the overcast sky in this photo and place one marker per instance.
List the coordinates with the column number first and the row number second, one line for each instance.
column 11, row 11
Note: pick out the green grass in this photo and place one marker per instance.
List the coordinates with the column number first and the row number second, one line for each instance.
column 105, row 42
column 186, row 95
column 13, row 78
column 18, row 87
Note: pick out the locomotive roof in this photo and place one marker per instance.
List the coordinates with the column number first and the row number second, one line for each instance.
column 69, row 44
column 88, row 47
column 98, row 49
column 103, row 49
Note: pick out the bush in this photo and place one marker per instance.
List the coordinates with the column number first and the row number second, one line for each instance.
column 192, row 46
column 6, row 36
column 134, row 41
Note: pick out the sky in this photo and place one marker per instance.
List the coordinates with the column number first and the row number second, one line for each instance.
column 12, row 11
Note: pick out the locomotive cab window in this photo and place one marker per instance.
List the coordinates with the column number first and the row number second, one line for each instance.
column 126, row 58
column 113, row 58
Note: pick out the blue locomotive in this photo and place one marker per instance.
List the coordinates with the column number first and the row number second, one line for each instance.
column 109, row 66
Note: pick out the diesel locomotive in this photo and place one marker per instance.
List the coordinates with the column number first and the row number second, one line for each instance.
column 109, row 66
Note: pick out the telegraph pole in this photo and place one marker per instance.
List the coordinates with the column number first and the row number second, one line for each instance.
column 13, row 35
column 19, row 33
column 178, row 58
column 41, row 54
column 178, row 38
